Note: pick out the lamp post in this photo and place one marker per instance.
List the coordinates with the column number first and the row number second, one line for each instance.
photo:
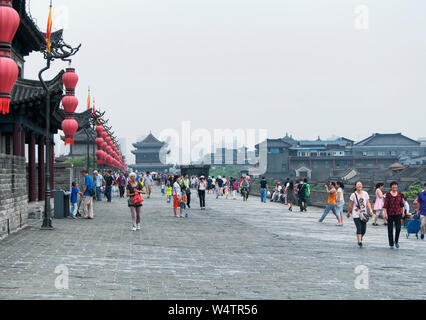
column 62, row 51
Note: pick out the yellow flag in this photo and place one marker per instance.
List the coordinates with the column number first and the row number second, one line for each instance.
column 49, row 31
column 88, row 100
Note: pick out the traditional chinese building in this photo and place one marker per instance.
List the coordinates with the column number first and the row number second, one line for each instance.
column 22, row 130
column 149, row 155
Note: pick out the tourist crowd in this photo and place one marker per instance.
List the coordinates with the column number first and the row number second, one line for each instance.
column 391, row 206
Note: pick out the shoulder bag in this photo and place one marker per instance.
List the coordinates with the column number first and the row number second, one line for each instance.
column 364, row 216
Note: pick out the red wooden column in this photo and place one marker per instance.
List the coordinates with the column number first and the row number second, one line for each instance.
column 22, row 141
column 41, row 169
column 32, row 193
column 17, row 139
column 52, row 169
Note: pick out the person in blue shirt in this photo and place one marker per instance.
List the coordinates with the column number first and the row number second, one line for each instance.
column 421, row 211
column 88, row 192
column 74, row 197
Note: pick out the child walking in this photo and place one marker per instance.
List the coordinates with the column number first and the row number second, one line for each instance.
column 74, row 198
column 183, row 203
column 226, row 191
column 163, row 189
column 169, row 192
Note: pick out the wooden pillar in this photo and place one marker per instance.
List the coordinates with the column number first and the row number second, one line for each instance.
column 52, row 168
column 22, row 141
column 41, row 169
column 17, row 139
column 32, row 192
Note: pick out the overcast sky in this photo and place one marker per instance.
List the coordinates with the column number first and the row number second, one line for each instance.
column 297, row 66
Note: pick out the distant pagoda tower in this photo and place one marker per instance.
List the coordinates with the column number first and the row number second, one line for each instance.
column 147, row 155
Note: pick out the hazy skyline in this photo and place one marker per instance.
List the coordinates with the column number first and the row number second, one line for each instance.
column 296, row 66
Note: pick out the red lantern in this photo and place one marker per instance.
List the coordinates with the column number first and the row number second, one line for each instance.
column 69, row 127
column 9, row 23
column 70, row 79
column 99, row 142
column 8, row 76
column 99, row 130
column 104, row 135
column 69, row 103
column 100, row 155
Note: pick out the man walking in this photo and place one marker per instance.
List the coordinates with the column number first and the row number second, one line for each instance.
column 88, row 191
column 263, row 189
column 301, row 194
column 98, row 182
column 109, row 182
column 148, row 184
column 331, row 203
column 121, row 182
column 421, row 210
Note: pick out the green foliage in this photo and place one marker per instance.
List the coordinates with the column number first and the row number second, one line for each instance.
column 413, row 191
column 80, row 162
column 227, row 171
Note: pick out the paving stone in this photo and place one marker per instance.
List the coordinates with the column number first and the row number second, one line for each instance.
column 233, row 250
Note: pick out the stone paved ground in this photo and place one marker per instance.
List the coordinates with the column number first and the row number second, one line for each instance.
column 233, row 250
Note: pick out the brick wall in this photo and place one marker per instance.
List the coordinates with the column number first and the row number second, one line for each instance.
column 13, row 195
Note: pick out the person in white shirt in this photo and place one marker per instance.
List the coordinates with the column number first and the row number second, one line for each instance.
column 277, row 192
column 201, row 191
column 177, row 193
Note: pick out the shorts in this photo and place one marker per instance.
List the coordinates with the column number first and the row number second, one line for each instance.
column 182, row 205
column 175, row 202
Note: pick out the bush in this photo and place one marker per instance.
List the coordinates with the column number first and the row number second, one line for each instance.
column 413, row 191
column 80, row 162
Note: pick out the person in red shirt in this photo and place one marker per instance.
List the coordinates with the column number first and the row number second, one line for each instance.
column 394, row 212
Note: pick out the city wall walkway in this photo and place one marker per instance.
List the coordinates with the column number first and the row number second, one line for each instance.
column 233, row 250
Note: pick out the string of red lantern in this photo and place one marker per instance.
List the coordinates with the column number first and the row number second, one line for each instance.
column 70, row 103
column 9, row 23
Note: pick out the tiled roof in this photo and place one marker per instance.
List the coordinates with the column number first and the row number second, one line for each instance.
column 387, row 139
column 26, row 91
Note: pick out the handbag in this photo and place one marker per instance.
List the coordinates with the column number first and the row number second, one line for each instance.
column 137, row 198
column 364, row 216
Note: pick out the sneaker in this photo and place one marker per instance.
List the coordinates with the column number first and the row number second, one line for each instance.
column 138, row 227
column 391, row 247
column 422, row 236
column 186, row 215
column 360, row 245
column 397, row 245
column 133, row 228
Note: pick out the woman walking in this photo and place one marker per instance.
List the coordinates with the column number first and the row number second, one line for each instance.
column 291, row 197
column 177, row 194
column 201, row 191
column 394, row 213
column 340, row 200
column 358, row 205
column 378, row 205
column 135, row 189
